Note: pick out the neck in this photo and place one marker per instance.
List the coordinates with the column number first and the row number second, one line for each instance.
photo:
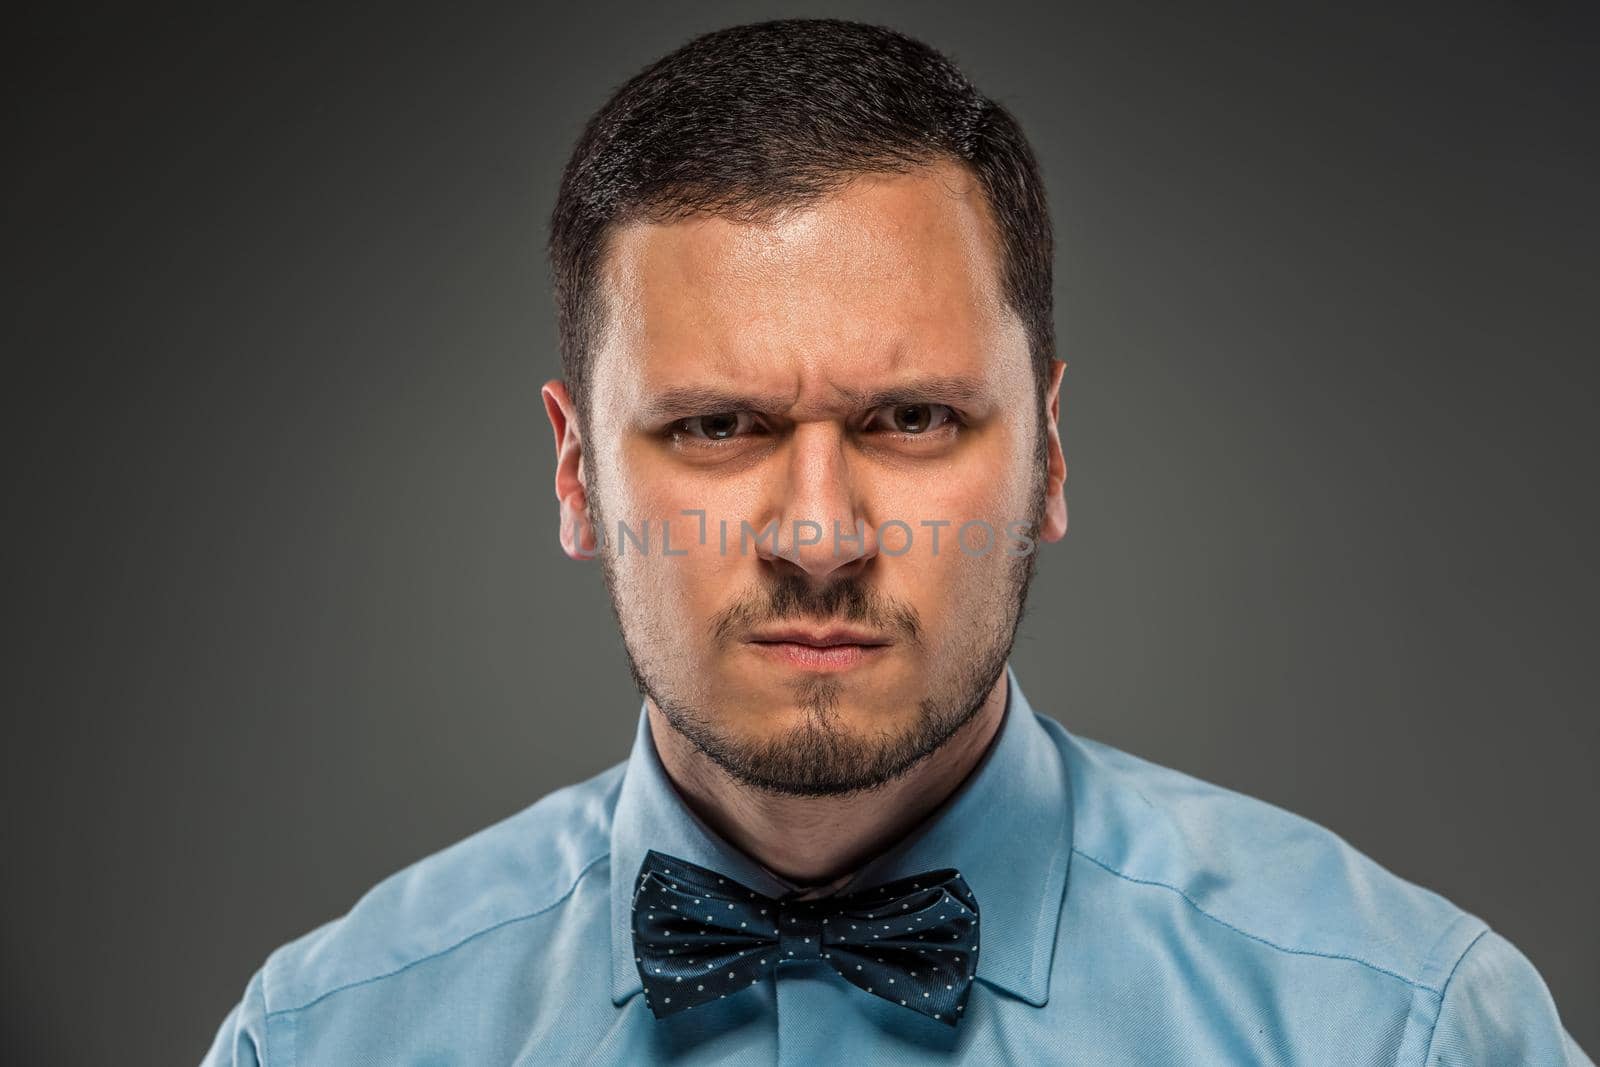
column 819, row 842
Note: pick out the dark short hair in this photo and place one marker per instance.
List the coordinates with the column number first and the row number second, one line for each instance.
column 745, row 121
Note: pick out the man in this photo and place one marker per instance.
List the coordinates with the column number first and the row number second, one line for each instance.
column 808, row 426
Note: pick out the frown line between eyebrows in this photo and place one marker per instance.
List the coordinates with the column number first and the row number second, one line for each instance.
column 959, row 391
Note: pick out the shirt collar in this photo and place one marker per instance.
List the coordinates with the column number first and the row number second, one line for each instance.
column 1007, row 829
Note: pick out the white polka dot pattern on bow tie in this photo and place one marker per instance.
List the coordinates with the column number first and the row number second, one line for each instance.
column 918, row 935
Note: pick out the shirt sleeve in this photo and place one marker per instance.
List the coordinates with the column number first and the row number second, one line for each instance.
column 1497, row 1009
column 240, row 1040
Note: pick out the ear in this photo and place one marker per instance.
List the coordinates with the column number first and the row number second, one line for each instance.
column 1053, row 527
column 577, row 531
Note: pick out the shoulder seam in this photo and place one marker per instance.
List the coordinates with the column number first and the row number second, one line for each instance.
column 1434, row 1029
column 261, row 991
column 1256, row 937
column 448, row 948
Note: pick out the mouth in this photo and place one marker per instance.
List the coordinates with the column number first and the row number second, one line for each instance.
column 826, row 650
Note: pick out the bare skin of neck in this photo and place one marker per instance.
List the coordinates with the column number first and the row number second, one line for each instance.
column 819, row 842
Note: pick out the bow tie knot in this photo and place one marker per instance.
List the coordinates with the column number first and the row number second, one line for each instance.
column 699, row 936
column 800, row 931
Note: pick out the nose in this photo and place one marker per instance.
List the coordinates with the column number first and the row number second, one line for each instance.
column 820, row 529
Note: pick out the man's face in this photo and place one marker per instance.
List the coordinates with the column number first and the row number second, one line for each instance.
column 737, row 377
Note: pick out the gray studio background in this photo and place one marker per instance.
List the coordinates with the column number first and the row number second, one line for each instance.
column 285, row 609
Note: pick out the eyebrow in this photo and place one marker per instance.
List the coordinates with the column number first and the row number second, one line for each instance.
column 686, row 401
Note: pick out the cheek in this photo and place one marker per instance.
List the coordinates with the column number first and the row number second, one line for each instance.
column 654, row 485
column 944, row 505
column 952, row 583
column 981, row 482
column 669, row 573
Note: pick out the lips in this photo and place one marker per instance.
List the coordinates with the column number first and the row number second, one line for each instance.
column 795, row 656
column 829, row 638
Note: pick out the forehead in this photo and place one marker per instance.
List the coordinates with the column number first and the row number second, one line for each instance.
column 889, row 277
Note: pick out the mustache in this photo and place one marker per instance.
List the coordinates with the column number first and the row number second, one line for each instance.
column 792, row 598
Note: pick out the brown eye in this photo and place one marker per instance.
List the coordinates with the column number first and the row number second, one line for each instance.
column 722, row 426
column 718, row 427
column 912, row 418
column 916, row 420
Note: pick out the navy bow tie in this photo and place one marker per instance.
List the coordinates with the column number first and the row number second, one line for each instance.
column 699, row 936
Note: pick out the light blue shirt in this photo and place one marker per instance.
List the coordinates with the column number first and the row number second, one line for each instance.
column 1130, row 914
